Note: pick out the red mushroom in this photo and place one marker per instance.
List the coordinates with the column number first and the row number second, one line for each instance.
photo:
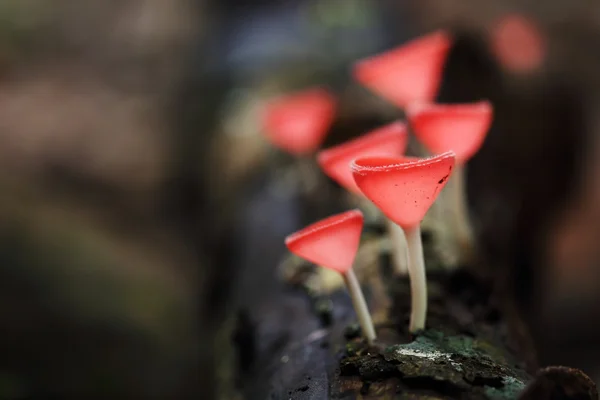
column 404, row 190
column 389, row 140
column 460, row 128
column 518, row 43
column 411, row 72
column 333, row 243
column 298, row 122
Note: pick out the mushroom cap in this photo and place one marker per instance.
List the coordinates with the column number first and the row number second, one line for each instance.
column 331, row 242
column 410, row 72
column 518, row 43
column 298, row 122
column 388, row 140
column 403, row 188
column 460, row 128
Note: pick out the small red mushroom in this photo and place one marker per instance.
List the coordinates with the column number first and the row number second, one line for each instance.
column 404, row 190
column 411, row 72
column 460, row 128
column 298, row 122
column 518, row 43
column 388, row 140
column 333, row 243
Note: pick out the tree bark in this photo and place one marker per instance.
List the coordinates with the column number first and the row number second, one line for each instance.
column 301, row 349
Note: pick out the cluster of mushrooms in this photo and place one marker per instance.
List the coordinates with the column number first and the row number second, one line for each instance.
column 374, row 167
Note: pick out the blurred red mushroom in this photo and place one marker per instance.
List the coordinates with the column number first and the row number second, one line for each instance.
column 390, row 140
column 517, row 43
column 460, row 128
column 333, row 243
column 411, row 72
column 404, row 190
column 335, row 161
column 298, row 122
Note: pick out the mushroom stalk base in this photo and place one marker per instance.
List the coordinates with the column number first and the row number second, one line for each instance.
column 462, row 222
column 418, row 283
column 360, row 305
column 398, row 248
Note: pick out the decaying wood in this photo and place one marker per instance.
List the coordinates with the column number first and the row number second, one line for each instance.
column 305, row 350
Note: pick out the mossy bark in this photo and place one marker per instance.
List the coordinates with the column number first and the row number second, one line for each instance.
column 466, row 352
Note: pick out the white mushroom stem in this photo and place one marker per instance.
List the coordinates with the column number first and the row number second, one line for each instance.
column 418, row 282
column 360, row 305
column 397, row 242
column 398, row 248
column 462, row 224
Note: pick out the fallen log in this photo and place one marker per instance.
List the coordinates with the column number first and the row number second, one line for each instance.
column 305, row 345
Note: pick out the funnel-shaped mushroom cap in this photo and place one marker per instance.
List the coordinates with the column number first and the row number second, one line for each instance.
column 388, row 140
column 411, row 72
column 298, row 123
column 403, row 188
column 460, row 128
column 331, row 242
column 518, row 43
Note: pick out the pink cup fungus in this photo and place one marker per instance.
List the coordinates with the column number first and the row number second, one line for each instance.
column 389, row 140
column 460, row 128
column 404, row 190
column 410, row 72
column 518, row 43
column 335, row 162
column 298, row 123
column 332, row 243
